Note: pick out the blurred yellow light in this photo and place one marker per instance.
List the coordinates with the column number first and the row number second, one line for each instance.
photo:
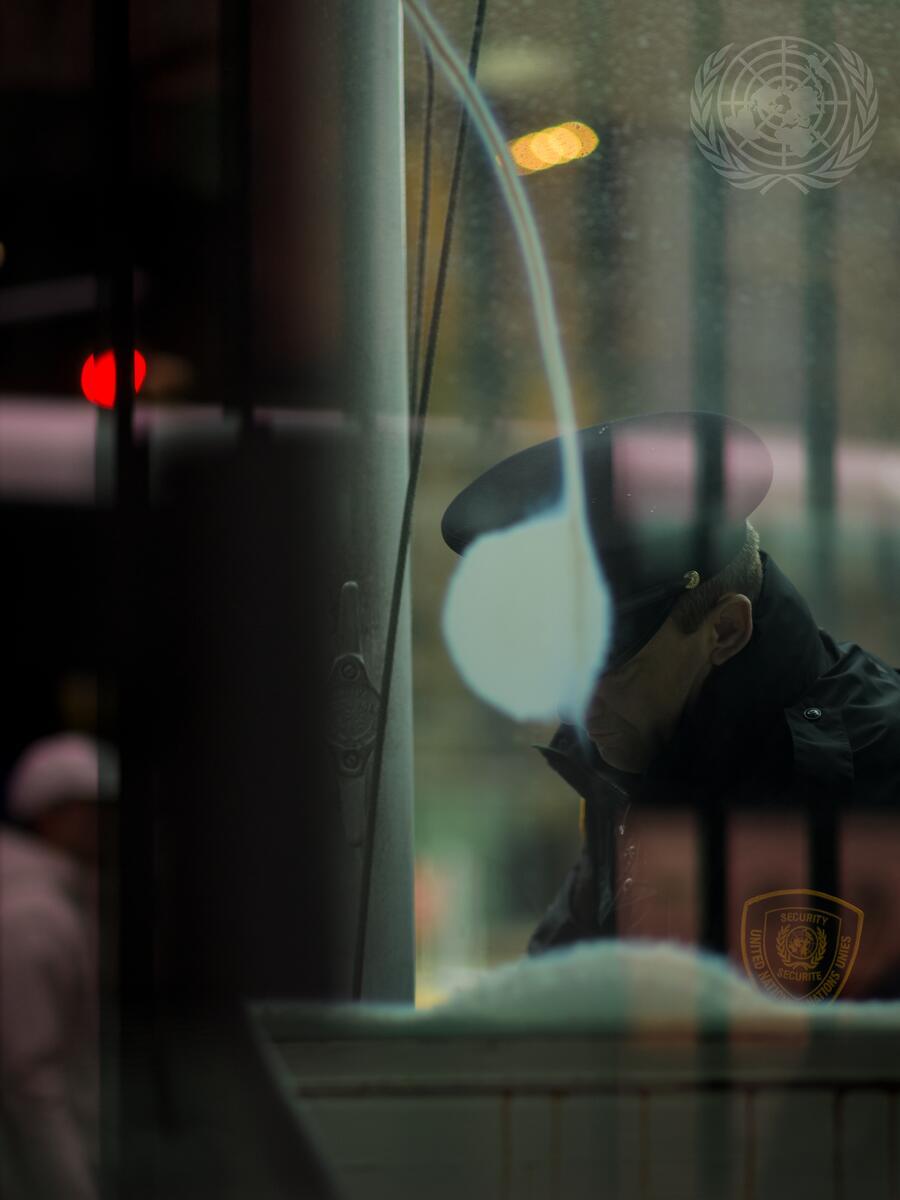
column 557, row 145
column 553, row 146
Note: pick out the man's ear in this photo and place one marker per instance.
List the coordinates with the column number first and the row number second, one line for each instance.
column 732, row 627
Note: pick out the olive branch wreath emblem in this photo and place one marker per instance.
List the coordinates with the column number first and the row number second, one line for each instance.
column 790, row 960
column 714, row 146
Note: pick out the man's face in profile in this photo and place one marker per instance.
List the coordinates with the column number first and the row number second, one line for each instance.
column 635, row 709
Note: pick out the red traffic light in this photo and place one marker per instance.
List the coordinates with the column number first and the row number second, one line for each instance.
column 98, row 377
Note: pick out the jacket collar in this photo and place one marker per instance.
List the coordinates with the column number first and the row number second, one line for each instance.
column 575, row 758
column 784, row 656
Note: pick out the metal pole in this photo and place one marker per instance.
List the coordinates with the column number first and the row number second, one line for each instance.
column 126, row 1099
column 709, row 293
column 821, row 445
column 710, row 393
column 235, row 64
column 370, row 374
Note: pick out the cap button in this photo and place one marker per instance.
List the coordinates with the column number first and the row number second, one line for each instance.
column 812, row 714
column 691, row 579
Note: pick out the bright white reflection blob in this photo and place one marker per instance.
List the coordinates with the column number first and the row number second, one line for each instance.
column 527, row 618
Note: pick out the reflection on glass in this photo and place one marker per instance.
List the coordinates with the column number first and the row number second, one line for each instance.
column 674, row 290
column 552, row 147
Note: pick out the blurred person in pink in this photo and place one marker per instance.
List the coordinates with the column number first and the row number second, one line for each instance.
column 49, row 993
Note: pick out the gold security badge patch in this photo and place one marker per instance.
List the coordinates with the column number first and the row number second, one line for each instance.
column 800, row 943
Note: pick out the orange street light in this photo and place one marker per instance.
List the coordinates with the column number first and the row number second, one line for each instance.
column 553, row 146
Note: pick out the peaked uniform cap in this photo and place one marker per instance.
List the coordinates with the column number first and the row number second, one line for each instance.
column 667, row 498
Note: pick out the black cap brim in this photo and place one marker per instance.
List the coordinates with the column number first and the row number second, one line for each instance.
column 667, row 496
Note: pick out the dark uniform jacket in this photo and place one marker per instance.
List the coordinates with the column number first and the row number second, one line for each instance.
column 794, row 719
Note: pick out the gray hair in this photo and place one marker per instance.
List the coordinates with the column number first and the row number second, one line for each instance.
column 744, row 574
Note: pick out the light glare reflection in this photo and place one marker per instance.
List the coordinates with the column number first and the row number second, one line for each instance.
column 528, row 616
column 553, row 146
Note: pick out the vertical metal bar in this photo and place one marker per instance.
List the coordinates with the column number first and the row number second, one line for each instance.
column 420, row 289
column 713, row 877
column 108, row 891
column 113, row 118
column 601, row 194
column 749, row 1139
column 709, row 393
column 645, row 1145
column 126, row 928
column 712, row 817
column 556, row 1143
column 821, row 444
column 235, row 144
column 823, row 817
column 600, row 835
column 837, row 1148
column 370, row 378
column 480, row 249
column 709, row 288
column 821, row 393
column 602, row 183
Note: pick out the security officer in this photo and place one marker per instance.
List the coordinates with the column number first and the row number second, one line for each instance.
column 719, row 691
